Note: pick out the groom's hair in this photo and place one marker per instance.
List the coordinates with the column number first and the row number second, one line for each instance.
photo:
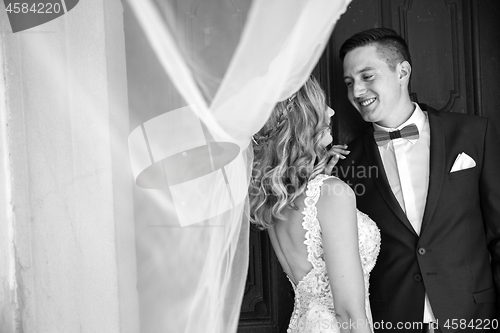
column 390, row 45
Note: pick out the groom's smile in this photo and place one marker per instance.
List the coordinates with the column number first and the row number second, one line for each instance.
column 367, row 102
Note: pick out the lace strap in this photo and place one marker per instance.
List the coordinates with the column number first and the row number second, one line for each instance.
column 310, row 222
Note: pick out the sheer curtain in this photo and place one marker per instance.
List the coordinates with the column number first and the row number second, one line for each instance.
column 193, row 162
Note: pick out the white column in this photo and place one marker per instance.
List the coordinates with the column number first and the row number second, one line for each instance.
column 67, row 260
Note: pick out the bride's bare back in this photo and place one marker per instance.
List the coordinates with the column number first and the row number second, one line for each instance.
column 329, row 266
column 287, row 238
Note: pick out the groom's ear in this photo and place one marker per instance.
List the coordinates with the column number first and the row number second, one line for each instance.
column 404, row 72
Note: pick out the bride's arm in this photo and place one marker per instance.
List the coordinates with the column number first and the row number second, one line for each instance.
column 337, row 217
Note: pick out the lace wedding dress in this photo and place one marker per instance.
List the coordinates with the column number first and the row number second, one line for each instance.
column 314, row 311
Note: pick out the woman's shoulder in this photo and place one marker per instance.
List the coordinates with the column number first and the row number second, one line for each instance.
column 336, row 196
column 332, row 186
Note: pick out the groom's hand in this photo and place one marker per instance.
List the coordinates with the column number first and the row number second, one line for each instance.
column 335, row 153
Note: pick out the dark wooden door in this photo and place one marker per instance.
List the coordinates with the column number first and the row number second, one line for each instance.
column 456, row 67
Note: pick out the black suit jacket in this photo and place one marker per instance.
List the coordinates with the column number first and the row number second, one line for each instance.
column 460, row 228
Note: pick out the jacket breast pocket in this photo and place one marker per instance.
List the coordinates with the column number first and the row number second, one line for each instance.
column 462, row 173
column 459, row 186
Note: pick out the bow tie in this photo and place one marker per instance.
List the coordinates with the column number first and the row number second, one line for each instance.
column 409, row 132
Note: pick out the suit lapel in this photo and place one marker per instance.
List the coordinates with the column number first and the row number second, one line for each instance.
column 381, row 181
column 436, row 167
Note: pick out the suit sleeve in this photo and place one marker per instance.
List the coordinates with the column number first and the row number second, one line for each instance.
column 490, row 200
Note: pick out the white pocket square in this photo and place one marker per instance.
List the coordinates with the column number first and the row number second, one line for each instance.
column 463, row 162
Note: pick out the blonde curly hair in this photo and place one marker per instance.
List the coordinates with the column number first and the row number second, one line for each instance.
column 287, row 154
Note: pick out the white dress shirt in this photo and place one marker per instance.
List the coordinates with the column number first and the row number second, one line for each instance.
column 406, row 163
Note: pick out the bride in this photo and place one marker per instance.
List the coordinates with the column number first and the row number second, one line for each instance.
column 326, row 247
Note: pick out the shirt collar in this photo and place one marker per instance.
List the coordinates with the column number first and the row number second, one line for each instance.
column 418, row 118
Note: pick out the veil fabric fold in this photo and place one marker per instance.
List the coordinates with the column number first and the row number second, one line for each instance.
column 192, row 164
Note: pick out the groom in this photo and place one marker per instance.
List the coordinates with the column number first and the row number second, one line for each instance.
column 431, row 182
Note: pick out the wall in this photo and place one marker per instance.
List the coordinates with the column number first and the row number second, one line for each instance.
column 67, row 236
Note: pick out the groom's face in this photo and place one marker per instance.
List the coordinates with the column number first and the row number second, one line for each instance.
column 373, row 87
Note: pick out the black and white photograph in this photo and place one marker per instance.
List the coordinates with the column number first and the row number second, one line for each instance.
column 249, row 166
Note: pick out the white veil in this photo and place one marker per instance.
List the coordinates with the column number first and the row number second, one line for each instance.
column 70, row 254
column 192, row 162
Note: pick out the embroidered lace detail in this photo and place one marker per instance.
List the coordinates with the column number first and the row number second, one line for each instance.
column 313, row 310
